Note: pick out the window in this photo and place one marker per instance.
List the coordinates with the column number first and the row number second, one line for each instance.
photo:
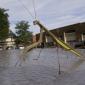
column 70, row 36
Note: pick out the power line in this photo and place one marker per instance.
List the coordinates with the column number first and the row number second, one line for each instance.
column 26, row 8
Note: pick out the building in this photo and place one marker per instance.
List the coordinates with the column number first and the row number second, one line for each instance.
column 34, row 39
column 72, row 34
column 9, row 42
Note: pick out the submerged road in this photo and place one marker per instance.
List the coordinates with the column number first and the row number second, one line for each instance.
column 40, row 67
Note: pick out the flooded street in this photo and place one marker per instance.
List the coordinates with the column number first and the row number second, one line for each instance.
column 40, row 67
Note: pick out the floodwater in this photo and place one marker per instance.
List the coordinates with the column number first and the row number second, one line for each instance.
column 41, row 67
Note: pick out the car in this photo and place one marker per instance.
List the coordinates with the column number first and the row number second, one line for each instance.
column 21, row 47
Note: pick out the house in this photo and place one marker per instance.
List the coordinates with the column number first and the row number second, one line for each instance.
column 10, row 41
column 71, row 34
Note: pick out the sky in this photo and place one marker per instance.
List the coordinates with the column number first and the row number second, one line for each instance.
column 51, row 13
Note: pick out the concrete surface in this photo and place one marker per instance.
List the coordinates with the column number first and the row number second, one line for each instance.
column 40, row 67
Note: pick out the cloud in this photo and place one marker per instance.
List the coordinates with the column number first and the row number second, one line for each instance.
column 53, row 13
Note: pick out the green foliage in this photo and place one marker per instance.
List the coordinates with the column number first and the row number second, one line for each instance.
column 4, row 24
column 23, row 35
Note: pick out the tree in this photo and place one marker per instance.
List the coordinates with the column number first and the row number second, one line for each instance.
column 24, row 36
column 4, row 24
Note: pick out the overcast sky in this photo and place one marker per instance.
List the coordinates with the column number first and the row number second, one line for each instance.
column 52, row 13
